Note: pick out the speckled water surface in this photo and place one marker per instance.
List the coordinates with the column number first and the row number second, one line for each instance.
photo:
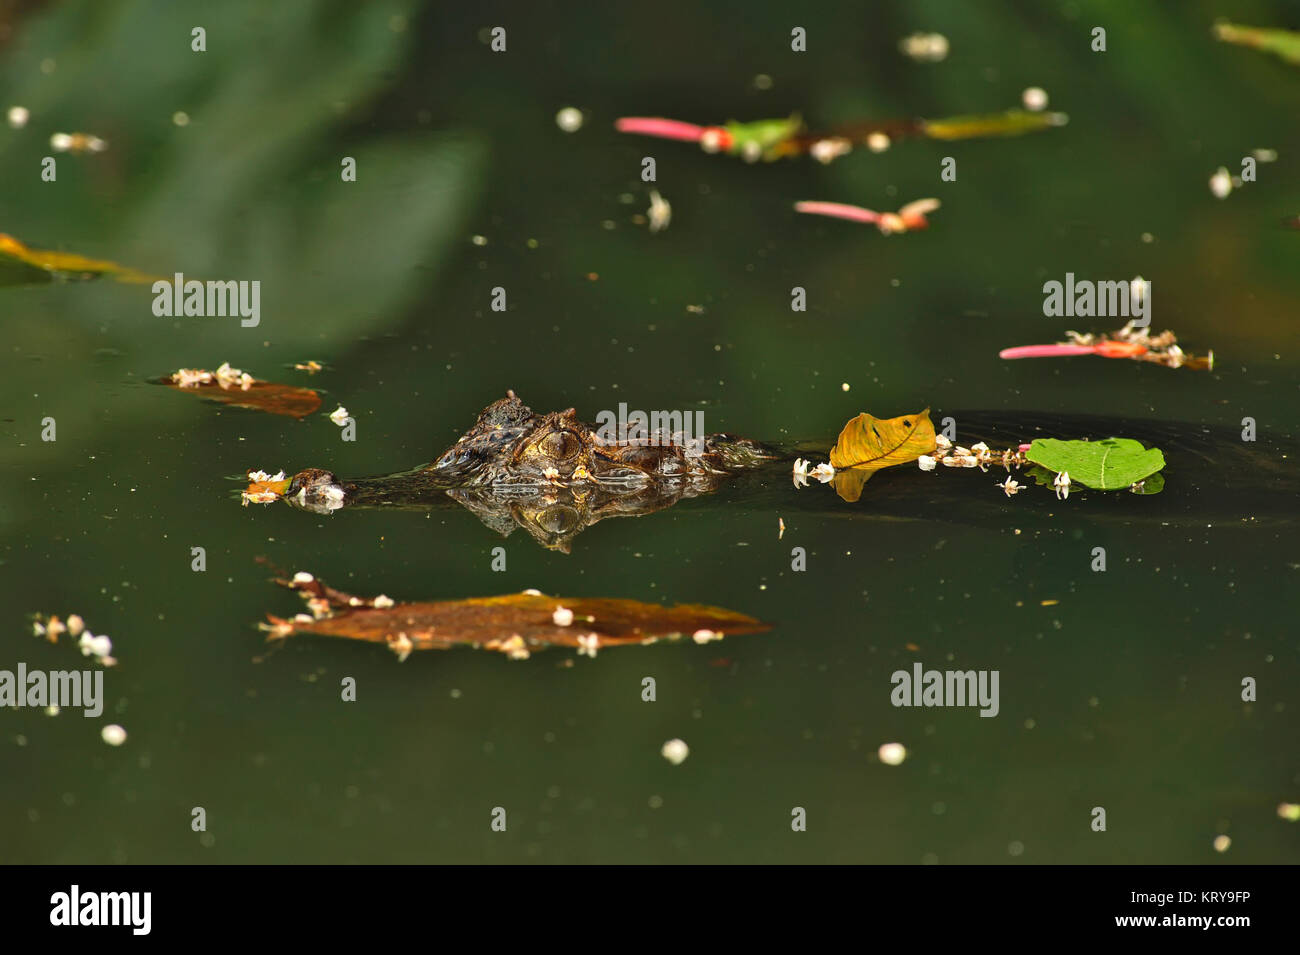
column 1120, row 689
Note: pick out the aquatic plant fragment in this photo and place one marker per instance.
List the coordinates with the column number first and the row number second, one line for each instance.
column 516, row 625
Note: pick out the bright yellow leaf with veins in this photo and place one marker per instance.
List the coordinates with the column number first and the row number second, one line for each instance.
column 868, row 444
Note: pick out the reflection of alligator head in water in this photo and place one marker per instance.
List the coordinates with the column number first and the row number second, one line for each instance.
column 550, row 474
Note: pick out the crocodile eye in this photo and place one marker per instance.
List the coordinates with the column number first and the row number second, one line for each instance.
column 560, row 445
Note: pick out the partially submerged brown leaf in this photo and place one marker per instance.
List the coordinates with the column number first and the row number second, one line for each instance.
column 868, row 444
column 67, row 264
column 234, row 387
column 514, row 624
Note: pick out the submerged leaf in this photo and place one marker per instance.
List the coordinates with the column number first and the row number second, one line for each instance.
column 514, row 624
column 68, row 265
column 1283, row 43
column 1014, row 122
column 1109, row 465
column 868, row 444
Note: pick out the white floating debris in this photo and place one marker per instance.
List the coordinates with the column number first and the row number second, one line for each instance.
column 588, row 644
column 1221, row 843
column 302, row 577
column 18, row 116
column 75, row 625
column 830, row 148
column 51, row 711
column 705, row 636
column 402, row 646
column 844, row 386
column 660, row 212
column 924, row 47
column 892, row 754
column 1035, row 99
column 339, row 416
column 569, row 119
column 181, row 118
column 1221, row 183
column 1265, row 155
column 926, row 462
column 675, row 751
column 562, row 617
column 382, row 602
column 77, row 143
column 1290, row 811
column 113, row 735
column 1137, row 290
column 877, row 142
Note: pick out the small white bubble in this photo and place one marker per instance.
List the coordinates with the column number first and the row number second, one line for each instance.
column 113, row 735
column 569, row 119
column 675, row 751
column 1016, row 848
column 1035, row 99
column 762, row 82
column 892, row 754
column 181, row 118
column 1221, row 183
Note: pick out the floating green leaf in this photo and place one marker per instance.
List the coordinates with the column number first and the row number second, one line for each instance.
column 1109, row 465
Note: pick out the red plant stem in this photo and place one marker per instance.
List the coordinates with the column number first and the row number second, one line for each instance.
column 662, row 128
column 838, row 210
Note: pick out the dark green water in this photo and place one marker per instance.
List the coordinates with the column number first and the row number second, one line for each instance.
column 1124, row 694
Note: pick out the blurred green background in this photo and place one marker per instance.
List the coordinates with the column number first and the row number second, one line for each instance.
column 1125, row 694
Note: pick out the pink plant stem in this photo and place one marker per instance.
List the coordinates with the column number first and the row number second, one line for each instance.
column 838, row 210
column 662, row 128
column 1045, row 351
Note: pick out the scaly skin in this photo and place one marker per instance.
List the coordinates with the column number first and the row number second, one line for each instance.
column 509, row 446
column 551, row 474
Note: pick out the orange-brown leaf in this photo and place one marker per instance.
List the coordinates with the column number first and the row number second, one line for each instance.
column 232, row 387
column 517, row 624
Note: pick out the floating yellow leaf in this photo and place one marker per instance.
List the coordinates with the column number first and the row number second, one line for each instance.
column 67, row 264
column 868, row 444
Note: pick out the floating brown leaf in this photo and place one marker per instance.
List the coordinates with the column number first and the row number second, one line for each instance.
column 234, row 387
column 67, row 264
column 868, row 444
column 514, row 624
